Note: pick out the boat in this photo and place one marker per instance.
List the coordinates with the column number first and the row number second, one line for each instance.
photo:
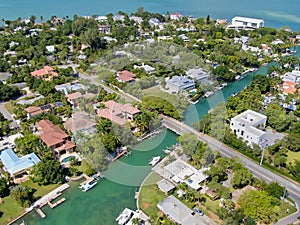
column 234, row 94
column 209, row 93
column 125, row 216
column 166, row 151
column 88, row 185
column 154, row 161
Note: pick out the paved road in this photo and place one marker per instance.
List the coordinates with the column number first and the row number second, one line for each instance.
column 93, row 80
column 292, row 187
column 7, row 115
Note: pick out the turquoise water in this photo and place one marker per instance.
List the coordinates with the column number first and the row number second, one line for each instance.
column 276, row 12
column 68, row 159
column 102, row 204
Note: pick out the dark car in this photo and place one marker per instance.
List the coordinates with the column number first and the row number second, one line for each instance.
column 197, row 210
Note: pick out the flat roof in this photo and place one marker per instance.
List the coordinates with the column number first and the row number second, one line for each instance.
column 165, row 185
column 251, row 20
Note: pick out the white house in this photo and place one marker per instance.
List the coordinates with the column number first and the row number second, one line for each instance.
column 136, row 19
column 249, row 126
column 241, row 23
column 176, row 16
column 147, row 68
column 293, row 76
column 180, row 84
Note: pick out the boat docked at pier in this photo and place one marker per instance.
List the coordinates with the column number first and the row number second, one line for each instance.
column 154, row 161
column 88, row 185
column 125, row 216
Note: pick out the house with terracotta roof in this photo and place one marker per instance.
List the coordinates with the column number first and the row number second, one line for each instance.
column 55, row 138
column 80, row 121
column 47, row 73
column 289, row 87
column 117, row 112
column 76, row 97
column 126, row 77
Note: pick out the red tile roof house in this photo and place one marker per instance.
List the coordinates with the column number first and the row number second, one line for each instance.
column 47, row 73
column 55, row 138
column 75, row 97
column 289, row 87
column 117, row 112
column 126, row 77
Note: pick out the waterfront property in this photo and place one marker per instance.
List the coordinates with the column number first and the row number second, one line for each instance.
column 249, row 125
column 293, row 76
column 55, row 138
column 179, row 84
column 165, row 186
column 178, row 212
column 241, row 23
column 198, row 75
column 180, row 171
column 117, row 112
column 16, row 166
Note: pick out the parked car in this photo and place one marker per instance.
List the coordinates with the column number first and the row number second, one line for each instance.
column 197, row 210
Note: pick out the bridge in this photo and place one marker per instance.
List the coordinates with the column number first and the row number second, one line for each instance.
column 292, row 187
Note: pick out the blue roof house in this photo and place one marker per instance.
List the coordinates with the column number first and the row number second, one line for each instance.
column 17, row 166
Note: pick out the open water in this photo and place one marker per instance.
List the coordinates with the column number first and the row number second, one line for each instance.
column 276, row 13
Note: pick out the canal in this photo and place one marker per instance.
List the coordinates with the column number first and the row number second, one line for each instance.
column 102, row 204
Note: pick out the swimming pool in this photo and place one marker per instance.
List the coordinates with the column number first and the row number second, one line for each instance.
column 68, row 159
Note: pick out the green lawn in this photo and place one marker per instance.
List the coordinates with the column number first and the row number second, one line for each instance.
column 40, row 190
column 212, row 205
column 9, row 107
column 85, row 168
column 293, row 156
column 150, row 196
column 10, row 210
column 283, row 207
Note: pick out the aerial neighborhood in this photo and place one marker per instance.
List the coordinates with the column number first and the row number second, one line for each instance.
column 83, row 96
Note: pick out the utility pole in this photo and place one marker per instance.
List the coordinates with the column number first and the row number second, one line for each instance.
column 262, row 156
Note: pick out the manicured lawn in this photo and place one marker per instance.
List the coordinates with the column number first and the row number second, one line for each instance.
column 10, row 210
column 283, row 207
column 150, row 196
column 9, row 107
column 40, row 190
column 84, row 167
column 212, row 205
column 293, row 156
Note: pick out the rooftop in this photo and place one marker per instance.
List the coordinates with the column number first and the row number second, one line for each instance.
column 14, row 164
column 165, row 186
column 79, row 121
column 41, row 73
column 178, row 211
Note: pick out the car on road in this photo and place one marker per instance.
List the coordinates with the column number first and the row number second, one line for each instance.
column 197, row 210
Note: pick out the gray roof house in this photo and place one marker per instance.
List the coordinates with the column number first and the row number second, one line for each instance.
column 165, row 186
column 180, row 84
column 198, row 75
column 178, row 212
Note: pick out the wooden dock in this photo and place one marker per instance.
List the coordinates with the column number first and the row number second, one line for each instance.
column 40, row 212
column 53, row 205
column 119, row 155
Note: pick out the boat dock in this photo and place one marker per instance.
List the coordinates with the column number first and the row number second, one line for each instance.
column 47, row 200
column 53, row 205
column 40, row 212
column 120, row 154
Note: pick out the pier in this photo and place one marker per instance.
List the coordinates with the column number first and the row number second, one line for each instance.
column 53, row 205
column 40, row 212
column 120, row 154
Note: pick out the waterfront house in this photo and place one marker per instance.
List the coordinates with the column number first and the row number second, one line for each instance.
column 178, row 212
column 180, row 171
column 117, row 112
column 47, row 73
column 250, row 126
column 198, row 75
column 55, row 138
column 176, row 16
column 16, row 166
column 180, row 84
column 241, row 23
column 101, row 19
column 126, row 77
column 165, row 186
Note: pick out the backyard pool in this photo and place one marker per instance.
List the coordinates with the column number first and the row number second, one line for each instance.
column 68, row 159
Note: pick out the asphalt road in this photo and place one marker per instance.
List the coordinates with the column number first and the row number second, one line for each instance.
column 293, row 189
column 8, row 116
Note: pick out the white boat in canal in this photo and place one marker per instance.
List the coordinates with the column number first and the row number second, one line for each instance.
column 88, row 185
column 154, row 161
column 125, row 216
